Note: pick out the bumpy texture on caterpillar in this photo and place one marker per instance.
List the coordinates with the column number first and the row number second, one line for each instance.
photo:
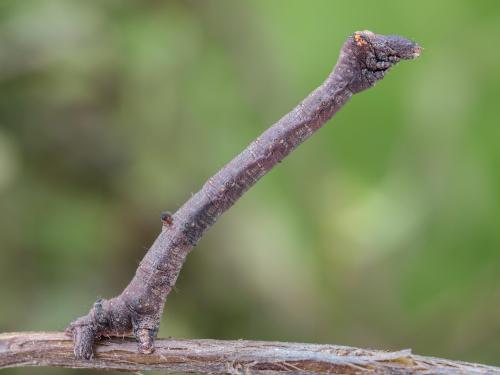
column 364, row 59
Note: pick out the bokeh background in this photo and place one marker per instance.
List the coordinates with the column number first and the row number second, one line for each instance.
column 381, row 231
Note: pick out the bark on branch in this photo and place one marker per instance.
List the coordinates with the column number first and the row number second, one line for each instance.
column 224, row 357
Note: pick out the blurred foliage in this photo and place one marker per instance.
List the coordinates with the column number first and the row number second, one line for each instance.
column 381, row 231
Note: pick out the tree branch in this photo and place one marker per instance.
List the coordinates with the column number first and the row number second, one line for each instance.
column 224, row 357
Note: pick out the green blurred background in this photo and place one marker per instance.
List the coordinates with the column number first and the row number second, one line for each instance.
column 381, row 231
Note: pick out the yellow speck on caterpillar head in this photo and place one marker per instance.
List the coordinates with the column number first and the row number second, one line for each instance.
column 360, row 41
